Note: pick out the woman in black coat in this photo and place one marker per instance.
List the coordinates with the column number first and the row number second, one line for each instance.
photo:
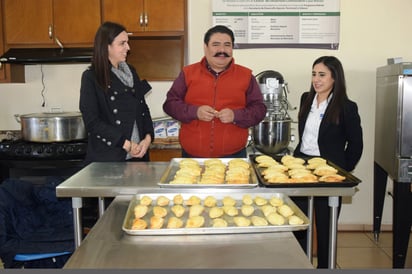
column 112, row 101
column 329, row 127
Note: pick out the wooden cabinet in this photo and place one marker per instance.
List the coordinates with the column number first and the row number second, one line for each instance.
column 35, row 23
column 146, row 15
column 164, row 155
column 157, row 34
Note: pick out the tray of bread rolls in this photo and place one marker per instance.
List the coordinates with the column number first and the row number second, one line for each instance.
column 209, row 173
column 290, row 171
column 176, row 213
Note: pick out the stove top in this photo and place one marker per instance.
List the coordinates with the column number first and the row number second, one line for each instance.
column 24, row 150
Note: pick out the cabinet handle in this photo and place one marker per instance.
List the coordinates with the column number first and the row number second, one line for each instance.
column 58, row 42
column 50, row 31
column 141, row 19
column 145, row 20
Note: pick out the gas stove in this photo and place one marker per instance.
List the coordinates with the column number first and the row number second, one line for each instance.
column 23, row 150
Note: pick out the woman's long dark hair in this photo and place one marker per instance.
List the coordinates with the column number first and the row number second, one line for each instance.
column 104, row 37
column 339, row 90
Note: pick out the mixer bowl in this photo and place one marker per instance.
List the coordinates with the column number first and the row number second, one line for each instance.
column 272, row 137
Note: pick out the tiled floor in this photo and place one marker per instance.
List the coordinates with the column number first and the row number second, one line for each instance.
column 358, row 250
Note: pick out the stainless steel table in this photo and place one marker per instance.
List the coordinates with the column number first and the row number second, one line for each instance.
column 107, row 179
column 106, row 246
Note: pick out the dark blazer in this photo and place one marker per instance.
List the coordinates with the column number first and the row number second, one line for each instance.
column 341, row 144
column 109, row 117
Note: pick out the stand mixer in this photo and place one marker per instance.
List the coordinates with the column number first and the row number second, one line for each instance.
column 273, row 134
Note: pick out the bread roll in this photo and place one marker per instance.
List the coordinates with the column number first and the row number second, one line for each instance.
column 259, row 221
column 146, row 200
column 159, row 211
column 247, row 210
column 219, row 222
column 140, row 211
column 195, row 222
column 178, row 210
column 174, row 222
column 241, row 221
column 216, row 212
column 139, row 224
column 195, row 210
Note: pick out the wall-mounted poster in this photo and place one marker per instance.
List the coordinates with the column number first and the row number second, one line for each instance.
column 276, row 23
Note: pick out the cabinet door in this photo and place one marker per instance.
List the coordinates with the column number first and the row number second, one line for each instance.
column 165, row 15
column 129, row 13
column 76, row 21
column 27, row 22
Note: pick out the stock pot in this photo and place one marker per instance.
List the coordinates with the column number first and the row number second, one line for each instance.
column 49, row 127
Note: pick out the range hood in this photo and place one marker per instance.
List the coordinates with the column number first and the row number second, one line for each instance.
column 47, row 55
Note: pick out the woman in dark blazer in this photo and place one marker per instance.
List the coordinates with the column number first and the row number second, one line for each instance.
column 329, row 127
column 112, row 101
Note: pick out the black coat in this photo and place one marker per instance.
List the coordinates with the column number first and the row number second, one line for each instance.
column 341, row 144
column 109, row 117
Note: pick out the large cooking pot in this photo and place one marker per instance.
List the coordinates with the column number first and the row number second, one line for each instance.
column 49, row 127
column 272, row 136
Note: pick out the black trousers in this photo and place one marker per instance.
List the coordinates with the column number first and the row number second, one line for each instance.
column 322, row 222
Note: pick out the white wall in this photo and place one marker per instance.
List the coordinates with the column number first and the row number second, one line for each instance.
column 371, row 32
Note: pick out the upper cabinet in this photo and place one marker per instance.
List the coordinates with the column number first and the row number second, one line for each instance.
column 146, row 15
column 50, row 22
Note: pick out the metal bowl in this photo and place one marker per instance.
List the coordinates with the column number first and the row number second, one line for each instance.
column 272, row 137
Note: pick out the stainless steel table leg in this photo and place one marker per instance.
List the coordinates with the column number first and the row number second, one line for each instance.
column 333, row 204
column 77, row 204
column 101, row 206
column 309, row 244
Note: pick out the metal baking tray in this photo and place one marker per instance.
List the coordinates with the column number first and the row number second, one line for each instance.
column 207, row 228
column 170, row 172
column 350, row 180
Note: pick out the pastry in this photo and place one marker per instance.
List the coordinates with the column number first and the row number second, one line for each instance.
column 230, row 210
column 216, row 212
column 285, row 211
column 178, row 210
column 178, row 199
column 159, row 211
column 174, row 222
column 325, row 170
column 162, row 201
column 275, row 219
column 193, row 200
column 332, row 178
column 140, row 211
column 247, row 199
column 228, row 201
column 195, row 222
column 210, row 201
column 139, row 224
column 219, row 222
column 195, row 210
column 275, row 201
column 295, row 220
column 146, row 200
column 156, row 222
column 259, row 221
column 247, row 210
column 241, row 221
column 267, row 209
column 260, row 201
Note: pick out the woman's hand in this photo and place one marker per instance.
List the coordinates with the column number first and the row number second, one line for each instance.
column 138, row 150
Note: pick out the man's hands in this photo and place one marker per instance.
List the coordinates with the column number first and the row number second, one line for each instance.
column 207, row 114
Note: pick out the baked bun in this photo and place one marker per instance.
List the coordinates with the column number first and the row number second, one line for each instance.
column 332, row 178
column 139, row 224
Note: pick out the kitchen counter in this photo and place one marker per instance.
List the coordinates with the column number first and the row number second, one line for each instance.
column 107, row 246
